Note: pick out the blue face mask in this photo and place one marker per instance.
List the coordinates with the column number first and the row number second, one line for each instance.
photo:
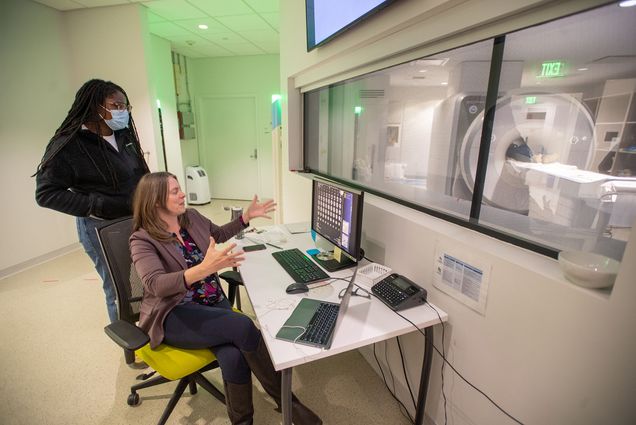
column 119, row 119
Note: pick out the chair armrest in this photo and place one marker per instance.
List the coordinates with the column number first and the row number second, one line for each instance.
column 126, row 335
column 232, row 277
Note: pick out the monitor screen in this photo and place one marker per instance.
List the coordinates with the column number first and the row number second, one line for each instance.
column 336, row 215
column 328, row 18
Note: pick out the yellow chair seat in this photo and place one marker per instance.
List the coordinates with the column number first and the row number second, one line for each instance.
column 175, row 363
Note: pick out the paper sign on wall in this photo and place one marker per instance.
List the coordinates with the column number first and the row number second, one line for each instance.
column 462, row 275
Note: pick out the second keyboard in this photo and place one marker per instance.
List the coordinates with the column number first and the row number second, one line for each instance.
column 299, row 266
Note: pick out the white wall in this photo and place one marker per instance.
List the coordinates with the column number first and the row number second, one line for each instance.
column 109, row 43
column 37, row 93
column 46, row 56
column 547, row 351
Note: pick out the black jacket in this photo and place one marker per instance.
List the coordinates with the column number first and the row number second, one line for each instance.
column 77, row 180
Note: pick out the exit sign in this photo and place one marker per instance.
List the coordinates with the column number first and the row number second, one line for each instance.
column 552, row 69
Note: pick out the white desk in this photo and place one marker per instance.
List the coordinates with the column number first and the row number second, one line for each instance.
column 367, row 320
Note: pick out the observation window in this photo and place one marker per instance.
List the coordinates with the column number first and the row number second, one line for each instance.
column 551, row 108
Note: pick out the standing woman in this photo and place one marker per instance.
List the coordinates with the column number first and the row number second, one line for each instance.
column 91, row 167
column 174, row 252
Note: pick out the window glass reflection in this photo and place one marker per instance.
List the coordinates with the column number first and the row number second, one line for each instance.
column 561, row 168
column 399, row 130
column 562, row 165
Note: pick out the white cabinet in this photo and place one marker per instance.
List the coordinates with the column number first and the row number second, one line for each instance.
column 615, row 130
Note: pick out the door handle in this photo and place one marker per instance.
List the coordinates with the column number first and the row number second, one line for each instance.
column 255, row 156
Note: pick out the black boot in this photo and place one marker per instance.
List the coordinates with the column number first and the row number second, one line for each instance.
column 238, row 400
column 262, row 367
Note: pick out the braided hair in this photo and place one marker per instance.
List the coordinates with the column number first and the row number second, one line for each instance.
column 85, row 109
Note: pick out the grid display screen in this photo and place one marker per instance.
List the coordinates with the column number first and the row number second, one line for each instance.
column 337, row 216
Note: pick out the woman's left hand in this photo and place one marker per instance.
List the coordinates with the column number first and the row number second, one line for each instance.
column 258, row 209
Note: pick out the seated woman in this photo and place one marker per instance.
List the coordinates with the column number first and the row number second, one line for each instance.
column 174, row 252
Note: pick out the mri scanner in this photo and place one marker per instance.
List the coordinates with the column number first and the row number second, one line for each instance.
column 541, row 149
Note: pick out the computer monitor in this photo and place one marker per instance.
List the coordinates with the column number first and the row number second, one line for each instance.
column 336, row 215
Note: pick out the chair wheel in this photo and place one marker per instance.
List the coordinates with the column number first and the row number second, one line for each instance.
column 133, row 399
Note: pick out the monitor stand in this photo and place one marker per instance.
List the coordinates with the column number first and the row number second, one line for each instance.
column 327, row 261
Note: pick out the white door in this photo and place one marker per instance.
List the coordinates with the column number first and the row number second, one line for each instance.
column 228, row 146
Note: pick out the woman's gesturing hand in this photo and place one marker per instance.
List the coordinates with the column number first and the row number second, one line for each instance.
column 258, row 209
column 214, row 261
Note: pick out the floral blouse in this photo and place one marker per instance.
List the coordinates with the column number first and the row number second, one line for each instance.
column 206, row 291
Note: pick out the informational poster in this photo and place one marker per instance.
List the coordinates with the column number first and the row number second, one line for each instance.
column 462, row 275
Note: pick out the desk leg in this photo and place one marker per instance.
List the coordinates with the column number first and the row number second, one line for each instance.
column 426, row 373
column 286, row 395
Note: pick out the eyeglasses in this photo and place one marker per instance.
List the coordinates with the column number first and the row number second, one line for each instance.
column 356, row 292
column 112, row 106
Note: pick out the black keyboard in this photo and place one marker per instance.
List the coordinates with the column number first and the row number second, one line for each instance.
column 321, row 324
column 299, row 266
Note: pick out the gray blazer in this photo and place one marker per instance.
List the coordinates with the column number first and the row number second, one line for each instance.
column 161, row 267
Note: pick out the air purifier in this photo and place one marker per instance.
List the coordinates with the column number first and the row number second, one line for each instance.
column 197, row 185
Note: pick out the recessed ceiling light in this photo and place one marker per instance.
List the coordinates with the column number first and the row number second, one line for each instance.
column 444, row 83
column 203, row 27
column 583, row 69
column 628, row 3
column 422, row 70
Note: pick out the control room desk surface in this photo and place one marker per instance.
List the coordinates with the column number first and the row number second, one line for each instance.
column 366, row 321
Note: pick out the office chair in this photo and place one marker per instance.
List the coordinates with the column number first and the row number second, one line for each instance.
column 169, row 362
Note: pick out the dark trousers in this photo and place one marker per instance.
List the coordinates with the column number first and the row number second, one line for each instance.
column 219, row 328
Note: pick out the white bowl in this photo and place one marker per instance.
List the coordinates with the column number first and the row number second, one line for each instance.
column 587, row 269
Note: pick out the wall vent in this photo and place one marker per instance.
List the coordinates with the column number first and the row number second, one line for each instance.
column 371, row 94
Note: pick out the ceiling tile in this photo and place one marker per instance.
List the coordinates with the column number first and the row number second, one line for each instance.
column 61, row 4
column 268, row 35
column 212, row 50
column 186, row 40
column 272, row 19
column 244, row 49
column 216, row 8
column 235, row 27
column 224, row 37
column 193, row 25
column 174, row 9
column 243, row 22
column 263, row 5
column 167, row 29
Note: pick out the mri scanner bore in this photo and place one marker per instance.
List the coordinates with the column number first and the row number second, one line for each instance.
column 552, row 131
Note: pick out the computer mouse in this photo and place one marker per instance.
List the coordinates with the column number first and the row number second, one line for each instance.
column 297, row 288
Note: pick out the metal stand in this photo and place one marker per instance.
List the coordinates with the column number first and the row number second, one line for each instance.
column 286, row 395
column 426, row 373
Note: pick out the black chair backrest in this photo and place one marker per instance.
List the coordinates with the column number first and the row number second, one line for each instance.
column 113, row 237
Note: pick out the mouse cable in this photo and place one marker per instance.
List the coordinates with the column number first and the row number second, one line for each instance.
column 453, row 368
column 403, row 408
column 304, row 331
